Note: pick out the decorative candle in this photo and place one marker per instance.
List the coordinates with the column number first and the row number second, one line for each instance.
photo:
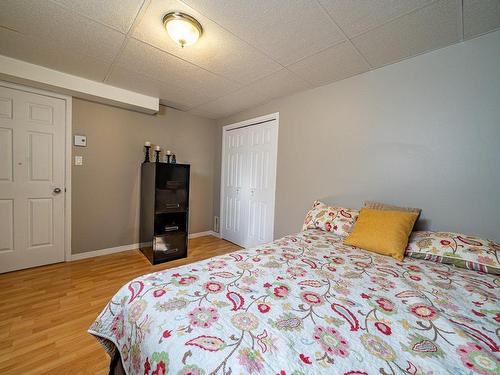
column 157, row 153
column 169, row 152
column 147, row 146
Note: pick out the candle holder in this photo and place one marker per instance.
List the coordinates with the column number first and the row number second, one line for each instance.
column 157, row 156
column 168, row 158
column 146, row 154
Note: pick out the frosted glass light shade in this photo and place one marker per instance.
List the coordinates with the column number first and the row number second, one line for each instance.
column 182, row 28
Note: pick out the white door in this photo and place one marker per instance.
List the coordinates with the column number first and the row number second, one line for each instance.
column 234, row 174
column 249, row 181
column 32, row 160
column 262, row 147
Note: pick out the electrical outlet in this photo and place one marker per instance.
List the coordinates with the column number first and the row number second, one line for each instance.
column 78, row 160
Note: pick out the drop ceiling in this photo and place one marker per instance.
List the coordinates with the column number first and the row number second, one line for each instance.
column 250, row 52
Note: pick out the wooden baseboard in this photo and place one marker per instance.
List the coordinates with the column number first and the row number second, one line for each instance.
column 134, row 246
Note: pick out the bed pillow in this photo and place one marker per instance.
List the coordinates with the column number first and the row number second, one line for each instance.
column 383, row 232
column 456, row 249
column 389, row 207
column 338, row 220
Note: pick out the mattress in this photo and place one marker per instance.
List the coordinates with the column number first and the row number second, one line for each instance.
column 305, row 304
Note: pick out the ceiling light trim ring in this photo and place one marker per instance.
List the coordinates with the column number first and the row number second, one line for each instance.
column 184, row 17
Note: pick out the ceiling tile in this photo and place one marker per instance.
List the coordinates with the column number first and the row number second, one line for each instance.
column 278, row 84
column 217, row 50
column 333, row 64
column 480, row 16
column 428, row 28
column 285, row 30
column 50, row 55
column 357, row 16
column 161, row 66
column 51, row 23
column 244, row 43
column 182, row 97
column 119, row 14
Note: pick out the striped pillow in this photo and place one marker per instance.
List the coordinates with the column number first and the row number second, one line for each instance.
column 389, row 207
column 457, row 249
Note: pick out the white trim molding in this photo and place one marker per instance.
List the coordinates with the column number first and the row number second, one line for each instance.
column 21, row 72
column 110, row 250
column 67, row 182
column 254, row 121
column 215, row 234
column 134, row 246
column 201, row 234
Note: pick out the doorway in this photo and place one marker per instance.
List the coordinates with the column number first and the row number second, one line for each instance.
column 35, row 134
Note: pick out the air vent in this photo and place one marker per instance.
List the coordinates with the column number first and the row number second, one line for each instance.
column 216, row 224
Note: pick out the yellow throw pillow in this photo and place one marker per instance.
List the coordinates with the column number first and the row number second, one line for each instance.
column 383, row 232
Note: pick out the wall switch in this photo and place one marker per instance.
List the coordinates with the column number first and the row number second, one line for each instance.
column 80, row 141
column 78, row 160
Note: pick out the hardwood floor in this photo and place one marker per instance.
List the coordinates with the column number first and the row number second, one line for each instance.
column 45, row 311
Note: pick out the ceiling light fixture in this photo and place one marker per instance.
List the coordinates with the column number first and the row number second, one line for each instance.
column 182, row 28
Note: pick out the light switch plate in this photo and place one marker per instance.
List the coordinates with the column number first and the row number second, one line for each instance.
column 80, row 141
column 78, row 160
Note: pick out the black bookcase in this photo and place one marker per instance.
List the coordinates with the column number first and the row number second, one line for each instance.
column 164, row 211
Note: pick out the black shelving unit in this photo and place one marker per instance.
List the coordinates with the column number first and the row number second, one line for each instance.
column 164, row 211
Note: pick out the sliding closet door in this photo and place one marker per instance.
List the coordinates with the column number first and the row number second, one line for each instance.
column 249, row 182
column 233, row 217
column 261, row 156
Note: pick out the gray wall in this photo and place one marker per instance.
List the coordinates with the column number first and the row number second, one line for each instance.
column 424, row 132
column 105, row 190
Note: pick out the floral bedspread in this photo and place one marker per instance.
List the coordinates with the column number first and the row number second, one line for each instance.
column 306, row 304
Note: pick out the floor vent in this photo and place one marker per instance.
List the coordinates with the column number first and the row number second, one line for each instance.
column 216, row 224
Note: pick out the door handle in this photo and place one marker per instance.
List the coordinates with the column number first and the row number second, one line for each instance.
column 57, row 190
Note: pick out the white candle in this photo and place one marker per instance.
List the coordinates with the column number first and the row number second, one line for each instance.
column 169, row 152
column 157, row 148
column 147, row 143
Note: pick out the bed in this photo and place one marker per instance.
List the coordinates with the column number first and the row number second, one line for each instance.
column 305, row 304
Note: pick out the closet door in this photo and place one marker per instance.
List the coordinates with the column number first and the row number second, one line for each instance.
column 234, row 202
column 248, row 181
column 261, row 172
